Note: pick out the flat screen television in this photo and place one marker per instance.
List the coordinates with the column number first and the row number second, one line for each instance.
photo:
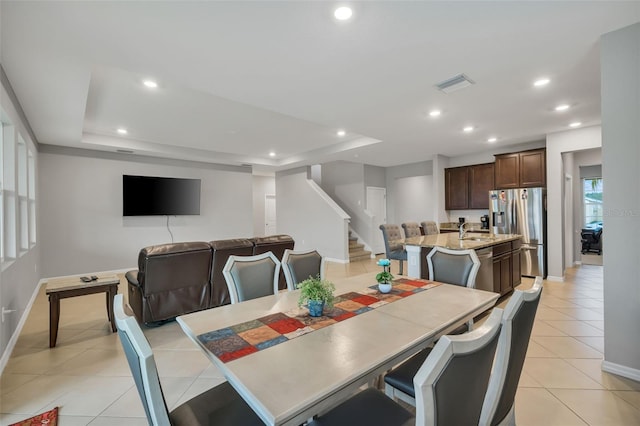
column 151, row 196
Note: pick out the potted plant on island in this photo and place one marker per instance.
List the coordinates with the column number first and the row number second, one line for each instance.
column 384, row 278
column 316, row 293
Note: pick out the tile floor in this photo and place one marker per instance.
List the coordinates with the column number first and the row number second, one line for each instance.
column 88, row 377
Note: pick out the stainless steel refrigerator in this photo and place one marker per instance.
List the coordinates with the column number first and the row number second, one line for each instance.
column 523, row 211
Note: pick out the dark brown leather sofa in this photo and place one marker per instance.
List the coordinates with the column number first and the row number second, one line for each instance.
column 175, row 279
column 172, row 279
column 222, row 249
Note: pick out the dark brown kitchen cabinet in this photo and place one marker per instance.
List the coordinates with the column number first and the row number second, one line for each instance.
column 481, row 177
column 506, row 266
column 516, row 259
column 456, row 187
column 468, row 187
column 524, row 169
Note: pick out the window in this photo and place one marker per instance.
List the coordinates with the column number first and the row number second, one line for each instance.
column 32, row 198
column 592, row 200
column 9, row 239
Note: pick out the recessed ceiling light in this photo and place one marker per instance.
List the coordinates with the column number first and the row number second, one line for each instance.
column 272, row 154
column 122, row 131
column 435, row 113
column 150, row 84
column 492, row 139
column 341, row 133
column 468, row 129
column 575, row 124
column 562, row 107
column 343, row 13
column 541, row 82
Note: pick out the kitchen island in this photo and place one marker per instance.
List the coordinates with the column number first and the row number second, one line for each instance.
column 499, row 257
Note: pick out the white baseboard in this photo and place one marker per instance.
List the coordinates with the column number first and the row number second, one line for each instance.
column 16, row 334
column 331, row 259
column 554, row 278
column 621, row 370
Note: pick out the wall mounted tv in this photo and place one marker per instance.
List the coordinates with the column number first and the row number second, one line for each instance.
column 150, row 196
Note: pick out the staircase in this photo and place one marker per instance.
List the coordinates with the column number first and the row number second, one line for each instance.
column 356, row 250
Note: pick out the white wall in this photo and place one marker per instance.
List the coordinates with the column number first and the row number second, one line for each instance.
column 262, row 186
column 557, row 143
column 83, row 229
column 620, row 58
column 310, row 216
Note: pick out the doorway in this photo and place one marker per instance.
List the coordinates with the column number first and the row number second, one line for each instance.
column 269, row 214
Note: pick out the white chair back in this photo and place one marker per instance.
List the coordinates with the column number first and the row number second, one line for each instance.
column 250, row 277
column 142, row 364
column 300, row 265
column 451, row 384
column 458, row 267
column 517, row 323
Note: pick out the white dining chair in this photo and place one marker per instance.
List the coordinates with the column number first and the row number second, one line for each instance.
column 250, row 277
column 220, row 405
column 300, row 265
column 450, row 385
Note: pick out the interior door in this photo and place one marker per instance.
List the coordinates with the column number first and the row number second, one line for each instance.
column 269, row 214
column 377, row 206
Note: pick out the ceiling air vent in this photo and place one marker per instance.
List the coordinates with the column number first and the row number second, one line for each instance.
column 452, row 84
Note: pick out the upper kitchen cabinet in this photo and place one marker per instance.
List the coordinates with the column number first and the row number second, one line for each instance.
column 456, row 188
column 481, row 181
column 525, row 169
column 468, row 187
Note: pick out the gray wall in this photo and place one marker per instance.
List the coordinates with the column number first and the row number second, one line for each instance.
column 344, row 181
column 310, row 216
column 620, row 57
column 83, row 229
column 19, row 277
column 262, row 185
column 374, row 176
column 423, row 168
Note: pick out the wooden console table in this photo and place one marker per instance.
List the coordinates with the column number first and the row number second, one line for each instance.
column 71, row 287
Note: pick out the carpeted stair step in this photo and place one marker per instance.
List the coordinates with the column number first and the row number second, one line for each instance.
column 359, row 255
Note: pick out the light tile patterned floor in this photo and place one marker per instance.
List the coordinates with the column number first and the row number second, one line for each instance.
column 88, row 377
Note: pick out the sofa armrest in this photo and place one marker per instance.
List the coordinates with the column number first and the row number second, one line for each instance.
column 132, row 277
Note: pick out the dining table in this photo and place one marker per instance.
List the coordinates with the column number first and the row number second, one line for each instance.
column 304, row 372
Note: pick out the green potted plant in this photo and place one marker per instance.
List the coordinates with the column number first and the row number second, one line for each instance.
column 316, row 293
column 384, row 278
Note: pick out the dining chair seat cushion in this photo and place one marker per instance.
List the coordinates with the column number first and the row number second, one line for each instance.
column 369, row 407
column 401, row 377
column 220, row 406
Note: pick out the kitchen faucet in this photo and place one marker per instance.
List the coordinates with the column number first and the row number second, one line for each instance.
column 462, row 231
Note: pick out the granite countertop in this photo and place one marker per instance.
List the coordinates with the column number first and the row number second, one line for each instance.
column 470, row 227
column 472, row 240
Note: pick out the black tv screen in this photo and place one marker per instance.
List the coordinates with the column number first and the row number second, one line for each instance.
column 149, row 196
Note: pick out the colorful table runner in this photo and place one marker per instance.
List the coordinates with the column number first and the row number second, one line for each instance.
column 242, row 339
